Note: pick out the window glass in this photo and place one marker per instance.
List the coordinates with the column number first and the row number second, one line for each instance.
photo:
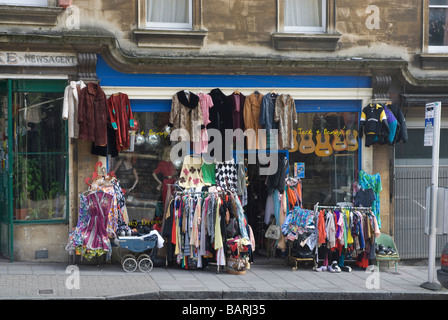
column 305, row 15
column 40, row 155
column 415, row 153
column 169, row 14
column 326, row 163
column 145, row 172
column 24, row 2
column 38, row 118
column 438, row 22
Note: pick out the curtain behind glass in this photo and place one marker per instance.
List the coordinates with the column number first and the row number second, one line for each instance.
column 303, row 13
column 438, row 23
column 168, row 11
column 42, row 3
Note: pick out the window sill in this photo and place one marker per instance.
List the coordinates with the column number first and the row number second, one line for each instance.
column 21, row 15
column 169, row 38
column 305, row 42
column 433, row 61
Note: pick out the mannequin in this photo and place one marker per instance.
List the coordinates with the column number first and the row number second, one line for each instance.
column 167, row 170
column 128, row 165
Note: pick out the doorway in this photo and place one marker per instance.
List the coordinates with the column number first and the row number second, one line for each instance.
column 34, row 156
column 6, row 223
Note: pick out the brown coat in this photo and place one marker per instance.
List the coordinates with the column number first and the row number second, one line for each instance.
column 92, row 115
column 285, row 113
column 185, row 114
column 251, row 113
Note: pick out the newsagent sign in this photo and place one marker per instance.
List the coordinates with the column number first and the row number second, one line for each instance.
column 38, row 59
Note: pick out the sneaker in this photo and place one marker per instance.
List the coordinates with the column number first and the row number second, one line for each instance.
column 335, row 267
column 346, row 268
column 322, row 268
column 330, row 269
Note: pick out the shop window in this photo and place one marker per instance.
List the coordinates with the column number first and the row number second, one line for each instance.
column 438, row 22
column 40, row 154
column 145, row 170
column 325, row 157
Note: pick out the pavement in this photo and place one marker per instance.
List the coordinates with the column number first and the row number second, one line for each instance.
column 267, row 279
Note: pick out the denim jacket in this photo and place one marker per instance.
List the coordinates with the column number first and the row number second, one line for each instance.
column 267, row 112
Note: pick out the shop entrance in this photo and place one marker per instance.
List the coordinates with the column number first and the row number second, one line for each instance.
column 324, row 162
column 34, row 156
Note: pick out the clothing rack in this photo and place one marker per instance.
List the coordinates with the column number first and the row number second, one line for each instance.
column 199, row 192
column 366, row 210
column 343, row 207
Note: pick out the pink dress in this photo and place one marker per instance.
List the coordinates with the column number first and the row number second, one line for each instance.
column 205, row 102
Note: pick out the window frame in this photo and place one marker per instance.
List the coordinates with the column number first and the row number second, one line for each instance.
column 306, row 29
column 35, row 86
column 31, row 3
column 169, row 26
column 436, row 49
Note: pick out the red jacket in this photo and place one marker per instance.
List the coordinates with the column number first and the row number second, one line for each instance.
column 92, row 114
column 121, row 118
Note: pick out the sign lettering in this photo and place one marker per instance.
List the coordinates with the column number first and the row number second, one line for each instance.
column 38, row 59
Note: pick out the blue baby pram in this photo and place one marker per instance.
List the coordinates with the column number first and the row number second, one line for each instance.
column 135, row 251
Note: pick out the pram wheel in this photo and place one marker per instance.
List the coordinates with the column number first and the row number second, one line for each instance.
column 145, row 263
column 129, row 263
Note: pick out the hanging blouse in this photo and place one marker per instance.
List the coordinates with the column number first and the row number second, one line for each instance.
column 191, row 173
column 226, row 175
column 206, row 102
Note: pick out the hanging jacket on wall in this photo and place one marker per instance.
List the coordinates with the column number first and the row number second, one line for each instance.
column 402, row 131
column 92, row 114
column 121, row 119
column 373, row 123
column 392, row 122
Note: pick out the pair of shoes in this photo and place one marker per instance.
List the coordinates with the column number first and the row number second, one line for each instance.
column 391, row 251
column 346, row 268
column 322, row 268
column 383, row 250
column 335, row 267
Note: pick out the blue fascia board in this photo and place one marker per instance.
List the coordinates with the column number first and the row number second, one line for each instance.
column 111, row 77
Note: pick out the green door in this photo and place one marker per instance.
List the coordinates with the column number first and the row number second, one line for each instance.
column 6, row 219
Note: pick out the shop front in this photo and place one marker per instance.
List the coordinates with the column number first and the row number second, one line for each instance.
column 319, row 160
column 323, row 156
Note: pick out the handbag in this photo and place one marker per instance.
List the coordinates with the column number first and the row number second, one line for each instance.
column 273, row 231
column 232, row 228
